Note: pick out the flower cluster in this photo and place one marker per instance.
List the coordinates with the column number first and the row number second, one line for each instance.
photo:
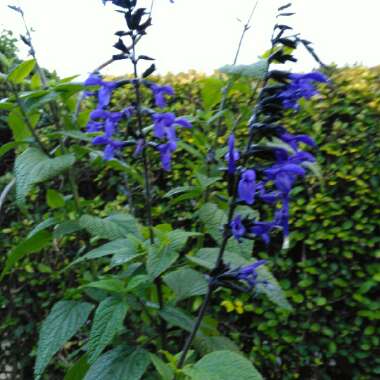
column 301, row 86
column 108, row 122
column 277, row 180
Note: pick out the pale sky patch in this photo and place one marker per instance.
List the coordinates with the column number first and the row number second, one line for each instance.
column 74, row 36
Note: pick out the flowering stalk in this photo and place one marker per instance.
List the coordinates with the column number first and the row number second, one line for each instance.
column 164, row 124
column 280, row 91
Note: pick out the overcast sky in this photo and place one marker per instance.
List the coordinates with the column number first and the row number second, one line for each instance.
column 75, row 36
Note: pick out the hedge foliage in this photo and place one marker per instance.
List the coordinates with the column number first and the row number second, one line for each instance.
column 329, row 271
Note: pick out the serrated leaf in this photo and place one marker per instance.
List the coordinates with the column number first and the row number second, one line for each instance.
column 21, row 71
column 206, row 257
column 165, row 252
column 207, row 344
column 177, row 317
column 42, row 226
column 162, row 368
column 118, row 365
column 112, row 248
column 78, row 370
column 223, row 365
column 63, row 321
column 213, row 219
column 159, row 259
column 186, row 283
column 30, row 245
column 108, row 284
column 179, row 190
column 113, row 227
column 66, row 228
column 108, row 321
column 33, row 167
column 255, row 71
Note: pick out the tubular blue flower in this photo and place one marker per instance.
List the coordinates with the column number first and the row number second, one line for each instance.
column 93, row 80
column 262, row 230
column 247, row 186
column 284, row 175
column 105, row 94
column 237, row 228
column 233, row 155
column 166, row 151
column 159, row 93
column 98, row 114
column 249, row 273
column 165, row 125
column 94, row 126
column 111, row 146
column 281, row 218
column 301, row 86
column 294, row 140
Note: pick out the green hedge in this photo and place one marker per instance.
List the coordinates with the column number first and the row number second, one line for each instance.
column 329, row 272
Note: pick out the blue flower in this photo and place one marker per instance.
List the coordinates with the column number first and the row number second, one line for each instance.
column 249, row 273
column 284, row 175
column 166, row 151
column 111, row 146
column 281, row 218
column 233, row 155
column 301, row 86
column 159, row 93
column 262, row 230
column 247, row 186
column 294, row 140
column 165, row 123
column 237, row 228
column 105, row 90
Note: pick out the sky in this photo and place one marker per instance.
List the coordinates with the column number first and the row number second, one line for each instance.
column 73, row 37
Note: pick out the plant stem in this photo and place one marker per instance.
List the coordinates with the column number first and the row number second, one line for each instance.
column 190, row 338
column 147, row 185
column 232, row 207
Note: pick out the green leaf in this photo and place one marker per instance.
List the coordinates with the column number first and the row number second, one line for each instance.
column 206, row 257
column 177, row 317
column 223, row 365
column 113, row 227
column 109, row 284
column 255, row 71
column 159, row 259
column 32, row 244
column 66, row 228
column 211, row 91
column 108, row 321
column 78, row 370
column 207, row 344
column 43, row 226
column 118, row 365
column 54, row 199
column 164, row 252
column 179, row 190
column 162, row 368
column 214, row 219
column 63, row 321
column 4, row 149
column 186, row 283
column 20, row 72
column 33, row 167
column 18, row 126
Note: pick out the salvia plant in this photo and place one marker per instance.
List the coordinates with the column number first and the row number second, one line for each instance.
column 146, row 305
